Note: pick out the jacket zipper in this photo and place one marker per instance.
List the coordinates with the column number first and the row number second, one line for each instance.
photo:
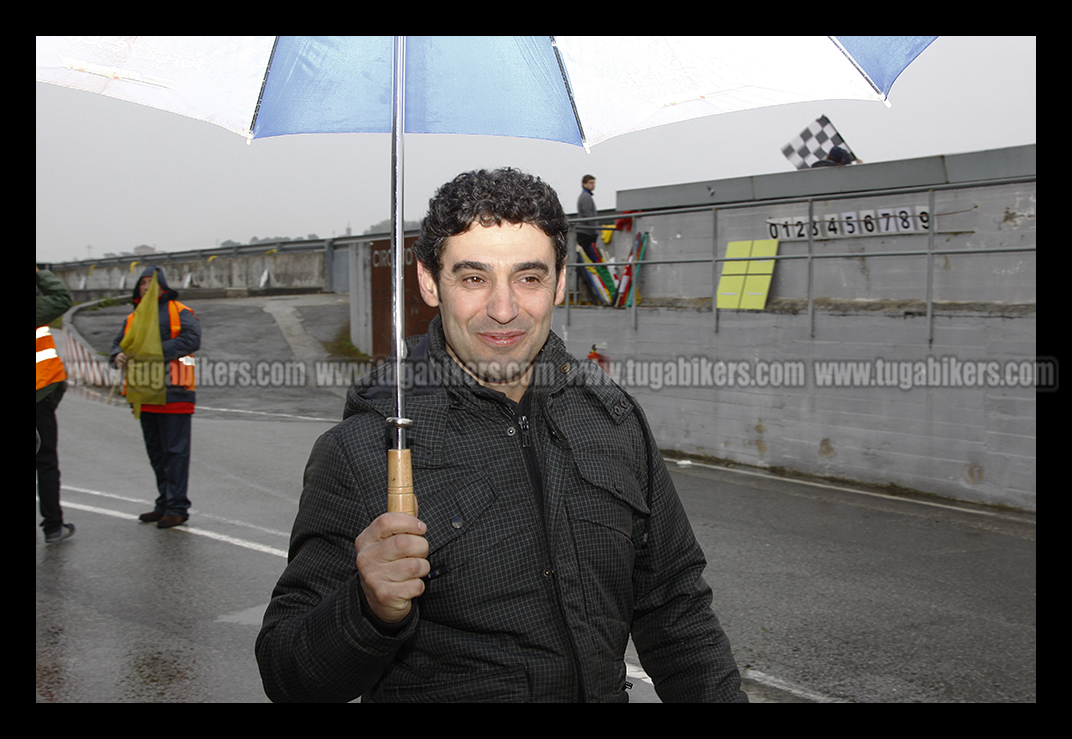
column 532, row 465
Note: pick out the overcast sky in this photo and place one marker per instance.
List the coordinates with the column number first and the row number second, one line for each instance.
column 112, row 175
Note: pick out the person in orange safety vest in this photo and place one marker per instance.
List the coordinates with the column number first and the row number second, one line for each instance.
column 53, row 300
column 167, row 427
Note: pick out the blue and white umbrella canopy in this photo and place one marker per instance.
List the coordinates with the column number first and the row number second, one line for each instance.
column 575, row 89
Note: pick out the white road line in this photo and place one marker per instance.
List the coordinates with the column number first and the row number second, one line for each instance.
column 684, row 464
column 234, row 522
column 103, row 494
column 193, row 511
column 266, row 413
column 786, row 687
column 232, row 540
column 197, row 532
column 102, row 511
column 255, row 546
column 637, row 673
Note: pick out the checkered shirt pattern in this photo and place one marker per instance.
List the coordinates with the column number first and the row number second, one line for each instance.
column 814, row 143
column 542, row 575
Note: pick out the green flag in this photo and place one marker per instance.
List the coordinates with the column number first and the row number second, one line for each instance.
column 146, row 370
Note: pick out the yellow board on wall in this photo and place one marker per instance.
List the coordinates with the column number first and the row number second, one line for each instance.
column 731, row 285
column 730, row 288
column 745, row 285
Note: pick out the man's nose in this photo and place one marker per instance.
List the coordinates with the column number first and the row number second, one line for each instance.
column 502, row 305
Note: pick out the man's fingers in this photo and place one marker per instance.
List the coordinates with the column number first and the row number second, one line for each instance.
column 410, row 568
column 390, row 524
column 391, row 559
column 392, row 537
column 402, row 546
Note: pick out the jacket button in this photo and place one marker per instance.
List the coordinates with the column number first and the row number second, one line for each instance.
column 456, row 522
column 511, row 431
column 548, row 572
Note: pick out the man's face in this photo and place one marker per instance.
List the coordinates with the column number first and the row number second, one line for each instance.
column 143, row 285
column 497, row 287
column 590, row 185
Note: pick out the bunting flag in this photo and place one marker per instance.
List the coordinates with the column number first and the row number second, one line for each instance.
column 599, row 277
column 625, row 282
column 814, row 143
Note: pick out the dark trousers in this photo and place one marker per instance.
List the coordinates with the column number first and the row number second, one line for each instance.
column 167, row 440
column 48, row 467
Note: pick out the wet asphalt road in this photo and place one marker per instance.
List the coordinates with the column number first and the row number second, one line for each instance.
column 827, row 594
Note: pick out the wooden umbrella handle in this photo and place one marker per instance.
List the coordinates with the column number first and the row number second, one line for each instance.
column 400, row 497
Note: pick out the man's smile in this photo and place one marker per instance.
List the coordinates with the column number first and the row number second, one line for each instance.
column 502, row 338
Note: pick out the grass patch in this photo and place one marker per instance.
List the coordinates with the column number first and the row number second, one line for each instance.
column 342, row 348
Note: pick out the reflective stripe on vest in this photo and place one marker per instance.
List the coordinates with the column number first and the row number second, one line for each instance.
column 49, row 365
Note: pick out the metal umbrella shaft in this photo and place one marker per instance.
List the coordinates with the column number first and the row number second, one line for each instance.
column 400, row 497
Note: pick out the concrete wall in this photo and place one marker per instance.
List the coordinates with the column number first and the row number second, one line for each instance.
column 970, row 443
column 918, row 421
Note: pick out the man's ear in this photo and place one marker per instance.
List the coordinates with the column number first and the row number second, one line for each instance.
column 429, row 289
column 560, row 286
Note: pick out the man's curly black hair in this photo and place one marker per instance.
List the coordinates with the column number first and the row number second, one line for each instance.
column 491, row 198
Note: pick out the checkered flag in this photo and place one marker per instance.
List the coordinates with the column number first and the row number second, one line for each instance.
column 814, row 143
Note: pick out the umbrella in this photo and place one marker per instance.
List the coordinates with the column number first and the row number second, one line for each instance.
column 574, row 89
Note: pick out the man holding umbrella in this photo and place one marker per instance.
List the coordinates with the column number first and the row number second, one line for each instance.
column 549, row 531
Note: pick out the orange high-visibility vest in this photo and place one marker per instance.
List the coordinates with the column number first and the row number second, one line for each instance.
column 49, row 365
column 182, row 369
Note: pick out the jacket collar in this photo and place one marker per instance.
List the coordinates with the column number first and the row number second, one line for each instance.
column 438, row 383
column 430, row 371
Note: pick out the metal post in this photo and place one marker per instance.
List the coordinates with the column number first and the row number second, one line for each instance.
column 398, row 128
column 572, row 278
column 635, row 281
column 811, row 244
column 714, row 266
column 932, row 225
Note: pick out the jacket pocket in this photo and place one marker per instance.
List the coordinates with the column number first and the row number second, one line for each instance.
column 478, row 541
column 612, row 497
column 607, row 516
column 452, row 510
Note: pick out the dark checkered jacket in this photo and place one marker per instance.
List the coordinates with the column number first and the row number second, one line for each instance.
column 554, row 532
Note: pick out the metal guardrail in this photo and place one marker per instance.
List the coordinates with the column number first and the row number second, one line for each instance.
column 714, row 260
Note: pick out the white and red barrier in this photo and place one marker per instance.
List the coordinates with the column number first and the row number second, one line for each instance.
column 83, row 364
